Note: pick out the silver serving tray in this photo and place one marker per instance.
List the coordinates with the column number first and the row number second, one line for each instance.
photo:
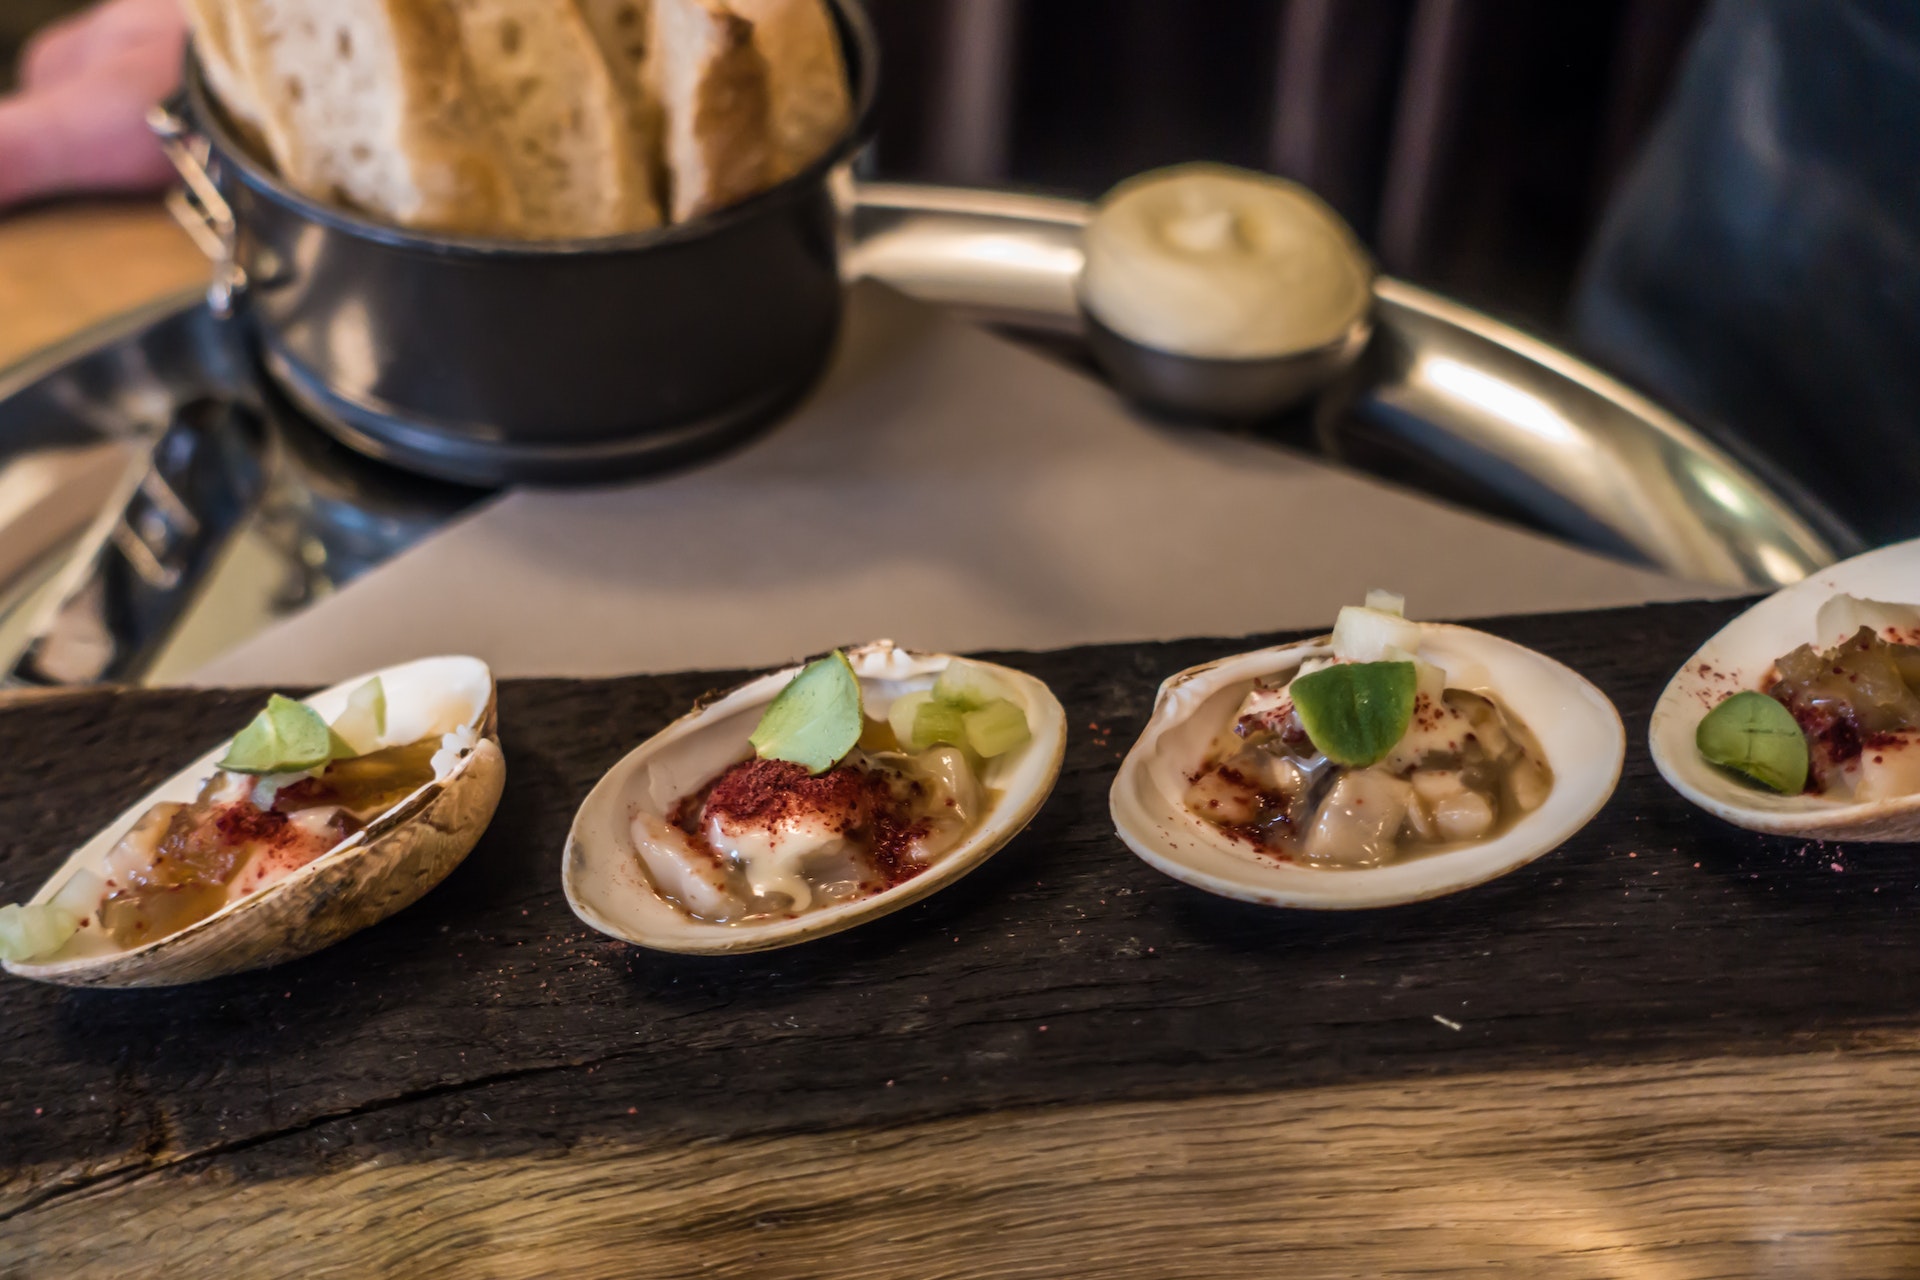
column 227, row 510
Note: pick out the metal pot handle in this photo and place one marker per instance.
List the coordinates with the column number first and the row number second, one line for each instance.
column 198, row 206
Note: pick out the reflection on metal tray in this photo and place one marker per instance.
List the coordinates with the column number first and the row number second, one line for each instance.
column 202, row 543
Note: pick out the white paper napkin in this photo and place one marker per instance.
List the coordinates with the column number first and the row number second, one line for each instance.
column 947, row 489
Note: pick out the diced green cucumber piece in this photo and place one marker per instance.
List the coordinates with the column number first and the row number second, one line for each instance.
column 287, row 737
column 1754, row 735
column 34, row 930
column 996, row 728
column 900, row 715
column 816, row 719
column 935, row 722
column 80, row 895
column 968, row 685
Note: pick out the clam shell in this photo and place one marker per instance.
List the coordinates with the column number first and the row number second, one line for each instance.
column 1576, row 726
column 375, row 872
column 608, row 889
column 1738, row 657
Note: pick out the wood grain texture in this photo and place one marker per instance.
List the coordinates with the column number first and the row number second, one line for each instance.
column 1728, row 1017
column 1722, row 1168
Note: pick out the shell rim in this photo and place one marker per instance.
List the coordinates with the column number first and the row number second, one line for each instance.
column 1278, row 895
column 382, row 825
column 740, row 939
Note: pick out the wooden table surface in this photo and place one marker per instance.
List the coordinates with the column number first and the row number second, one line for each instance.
column 1670, row 1049
column 65, row 266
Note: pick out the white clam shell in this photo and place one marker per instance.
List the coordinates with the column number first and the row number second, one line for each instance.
column 608, row 889
column 375, row 872
column 1738, row 657
column 1575, row 724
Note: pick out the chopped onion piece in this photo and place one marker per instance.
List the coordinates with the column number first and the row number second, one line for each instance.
column 363, row 725
column 1370, row 635
column 1843, row 615
column 1429, row 680
column 1387, row 602
column 80, row 896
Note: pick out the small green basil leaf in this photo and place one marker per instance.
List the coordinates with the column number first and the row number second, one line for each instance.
column 287, row 737
column 816, row 719
column 1356, row 711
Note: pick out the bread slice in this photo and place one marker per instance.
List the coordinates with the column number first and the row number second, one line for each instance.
column 624, row 29
column 712, row 84
column 368, row 103
column 568, row 132
column 213, row 43
column 807, row 77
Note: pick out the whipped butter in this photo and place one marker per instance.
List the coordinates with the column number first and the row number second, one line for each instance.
column 1215, row 262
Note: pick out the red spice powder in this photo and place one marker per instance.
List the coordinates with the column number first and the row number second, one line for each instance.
column 244, row 823
column 854, row 802
column 767, row 792
column 1272, row 823
column 301, row 794
column 892, row 851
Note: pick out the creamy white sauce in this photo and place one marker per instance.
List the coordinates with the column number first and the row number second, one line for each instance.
column 774, row 856
column 1220, row 263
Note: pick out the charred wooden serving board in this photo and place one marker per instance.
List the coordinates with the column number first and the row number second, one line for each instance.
column 1065, row 1064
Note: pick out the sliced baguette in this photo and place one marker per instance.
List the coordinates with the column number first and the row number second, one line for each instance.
column 807, row 77
column 568, row 132
column 712, row 84
column 213, row 43
column 368, row 103
column 623, row 29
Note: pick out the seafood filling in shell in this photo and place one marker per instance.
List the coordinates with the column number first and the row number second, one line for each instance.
column 1389, row 762
column 813, row 799
column 319, row 818
column 1801, row 715
column 1464, row 770
column 766, row 838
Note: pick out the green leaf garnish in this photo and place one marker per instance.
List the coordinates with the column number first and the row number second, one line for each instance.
column 1356, row 711
column 287, row 737
column 1753, row 735
column 816, row 719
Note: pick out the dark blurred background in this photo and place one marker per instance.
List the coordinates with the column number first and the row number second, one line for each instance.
column 1471, row 142
column 1740, row 238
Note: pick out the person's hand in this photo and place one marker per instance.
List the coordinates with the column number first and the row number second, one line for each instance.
column 78, row 122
